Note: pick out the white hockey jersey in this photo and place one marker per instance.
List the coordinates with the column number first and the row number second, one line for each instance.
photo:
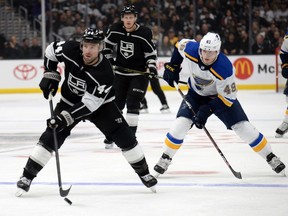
column 216, row 80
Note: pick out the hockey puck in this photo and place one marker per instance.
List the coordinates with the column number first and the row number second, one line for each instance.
column 68, row 201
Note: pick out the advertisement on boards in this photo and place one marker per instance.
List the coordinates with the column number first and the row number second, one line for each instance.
column 252, row 72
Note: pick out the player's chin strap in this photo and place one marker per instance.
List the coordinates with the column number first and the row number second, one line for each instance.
column 128, row 70
column 63, row 193
column 236, row 174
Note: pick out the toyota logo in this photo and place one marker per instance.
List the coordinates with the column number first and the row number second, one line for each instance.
column 25, row 72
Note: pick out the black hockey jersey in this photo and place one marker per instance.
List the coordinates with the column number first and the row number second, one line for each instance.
column 85, row 88
column 134, row 50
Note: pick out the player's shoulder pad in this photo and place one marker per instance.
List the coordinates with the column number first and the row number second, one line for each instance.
column 189, row 48
column 70, row 47
column 116, row 27
column 144, row 31
column 223, row 67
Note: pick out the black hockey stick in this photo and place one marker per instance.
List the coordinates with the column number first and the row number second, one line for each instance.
column 236, row 174
column 141, row 72
column 63, row 193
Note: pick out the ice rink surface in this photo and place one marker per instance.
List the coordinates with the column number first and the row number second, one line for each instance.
column 198, row 182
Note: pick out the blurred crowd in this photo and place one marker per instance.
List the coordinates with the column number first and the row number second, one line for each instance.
column 174, row 20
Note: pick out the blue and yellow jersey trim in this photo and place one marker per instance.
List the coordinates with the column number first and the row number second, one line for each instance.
column 228, row 102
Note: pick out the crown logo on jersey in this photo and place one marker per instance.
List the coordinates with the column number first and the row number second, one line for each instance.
column 126, row 49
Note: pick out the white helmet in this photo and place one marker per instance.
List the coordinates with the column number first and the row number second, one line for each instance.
column 211, row 42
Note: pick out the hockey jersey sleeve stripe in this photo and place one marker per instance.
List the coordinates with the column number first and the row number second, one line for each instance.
column 226, row 101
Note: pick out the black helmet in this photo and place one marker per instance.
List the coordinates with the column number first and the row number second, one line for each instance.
column 129, row 9
column 93, row 35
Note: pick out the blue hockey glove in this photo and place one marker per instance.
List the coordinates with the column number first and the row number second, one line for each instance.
column 50, row 83
column 201, row 116
column 171, row 73
column 61, row 121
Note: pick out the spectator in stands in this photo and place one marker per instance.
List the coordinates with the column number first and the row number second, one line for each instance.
column 77, row 35
column 35, row 50
column 230, row 46
column 244, row 43
column 260, row 47
column 12, row 49
column 167, row 48
column 2, row 45
column 24, row 48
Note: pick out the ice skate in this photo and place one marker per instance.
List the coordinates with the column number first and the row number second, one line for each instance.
column 149, row 181
column 275, row 163
column 144, row 108
column 23, row 186
column 162, row 165
column 165, row 109
column 108, row 144
column 281, row 130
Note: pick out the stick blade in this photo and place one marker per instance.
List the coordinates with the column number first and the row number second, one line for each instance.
column 64, row 193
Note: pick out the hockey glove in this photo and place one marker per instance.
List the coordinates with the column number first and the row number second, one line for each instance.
column 152, row 72
column 50, row 83
column 64, row 119
column 201, row 116
column 171, row 73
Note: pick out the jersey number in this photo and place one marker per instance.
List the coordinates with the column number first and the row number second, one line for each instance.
column 229, row 89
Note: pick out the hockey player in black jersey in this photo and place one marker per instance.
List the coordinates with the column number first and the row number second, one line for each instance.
column 86, row 93
column 136, row 51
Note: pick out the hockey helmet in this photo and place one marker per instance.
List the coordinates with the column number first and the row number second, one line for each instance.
column 210, row 42
column 128, row 10
column 93, row 35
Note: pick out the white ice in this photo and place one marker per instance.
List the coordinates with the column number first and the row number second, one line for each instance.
column 198, row 183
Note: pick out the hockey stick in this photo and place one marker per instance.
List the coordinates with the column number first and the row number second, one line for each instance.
column 236, row 174
column 63, row 193
column 142, row 72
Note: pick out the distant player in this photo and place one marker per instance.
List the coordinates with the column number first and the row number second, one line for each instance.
column 86, row 93
column 212, row 90
column 283, row 128
column 134, row 50
column 156, row 88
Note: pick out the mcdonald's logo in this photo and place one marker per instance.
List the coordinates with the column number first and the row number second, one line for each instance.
column 244, row 68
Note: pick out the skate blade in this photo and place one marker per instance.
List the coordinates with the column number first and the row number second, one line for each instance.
column 153, row 189
column 283, row 173
column 279, row 135
column 19, row 192
column 165, row 111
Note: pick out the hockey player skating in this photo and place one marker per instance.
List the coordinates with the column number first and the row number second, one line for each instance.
column 86, row 93
column 135, row 50
column 283, row 128
column 212, row 90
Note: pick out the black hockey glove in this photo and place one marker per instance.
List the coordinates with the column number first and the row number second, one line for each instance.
column 50, row 83
column 152, row 72
column 64, row 119
column 171, row 73
column 201, row 116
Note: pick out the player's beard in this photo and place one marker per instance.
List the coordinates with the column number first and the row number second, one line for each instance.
column 89, row 60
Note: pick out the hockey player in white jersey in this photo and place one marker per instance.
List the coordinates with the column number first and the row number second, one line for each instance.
column 283, row 128
column 212, row 90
